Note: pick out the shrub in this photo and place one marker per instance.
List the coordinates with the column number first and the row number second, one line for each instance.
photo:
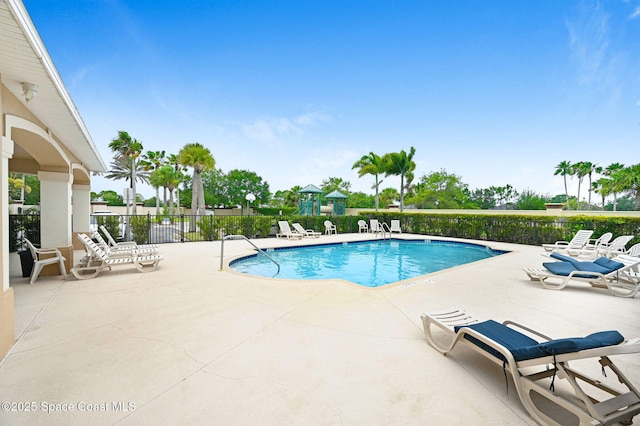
column 140, row 229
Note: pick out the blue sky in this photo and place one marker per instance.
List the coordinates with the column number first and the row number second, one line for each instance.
column 497, row 92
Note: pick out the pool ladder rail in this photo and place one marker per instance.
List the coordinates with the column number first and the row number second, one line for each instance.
column 242, row 237
column 385, row 230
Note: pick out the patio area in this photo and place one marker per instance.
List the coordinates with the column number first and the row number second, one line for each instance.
column 189, row 344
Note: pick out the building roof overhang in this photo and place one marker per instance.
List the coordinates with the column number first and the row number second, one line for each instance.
column 24, row 58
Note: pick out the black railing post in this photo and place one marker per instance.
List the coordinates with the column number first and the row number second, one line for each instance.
column 148, row 227
column 248, row 224
column 182, row 228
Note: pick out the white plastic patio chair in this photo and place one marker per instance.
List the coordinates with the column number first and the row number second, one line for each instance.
column 43, row 257
column 329, row 228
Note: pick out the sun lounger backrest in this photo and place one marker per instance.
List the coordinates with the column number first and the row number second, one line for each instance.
column 92, row 247
column 107, row 234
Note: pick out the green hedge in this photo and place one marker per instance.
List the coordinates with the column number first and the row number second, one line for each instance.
column 520, row 229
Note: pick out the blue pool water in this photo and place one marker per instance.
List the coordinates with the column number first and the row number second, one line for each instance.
column 368, row 263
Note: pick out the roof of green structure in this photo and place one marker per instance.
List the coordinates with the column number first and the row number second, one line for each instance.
column 335, row 194
column 310, row 188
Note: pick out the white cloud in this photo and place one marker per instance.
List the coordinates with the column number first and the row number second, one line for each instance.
column 635, row 13
column 332, row 157
column 265, row 129
column 589, row 40
column 269, row 129
column 311, row 119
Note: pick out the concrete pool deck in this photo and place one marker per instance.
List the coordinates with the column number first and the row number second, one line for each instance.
column 189, row 344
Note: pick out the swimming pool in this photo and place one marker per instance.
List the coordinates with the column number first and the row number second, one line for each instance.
column 367, row 263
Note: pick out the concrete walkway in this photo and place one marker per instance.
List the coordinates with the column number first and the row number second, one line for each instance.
column 189, row 344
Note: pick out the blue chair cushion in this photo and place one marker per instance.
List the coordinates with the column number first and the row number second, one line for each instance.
column 609, row 263
column 575, row 344
column 500, row 333
column 562, row 257
column 603, row 266
column 523, row 347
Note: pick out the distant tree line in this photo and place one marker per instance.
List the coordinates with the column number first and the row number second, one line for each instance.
column 208, row 186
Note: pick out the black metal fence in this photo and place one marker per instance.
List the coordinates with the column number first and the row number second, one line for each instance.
column 23, row 226
column 532, row 230
column 183, row 228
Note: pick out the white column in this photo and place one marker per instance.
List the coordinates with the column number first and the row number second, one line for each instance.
column 81, row 207
column 55, row 209
column 7, row 153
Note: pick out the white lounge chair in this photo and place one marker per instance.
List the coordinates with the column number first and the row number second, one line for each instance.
column 375, row 226
column 98, row 259
column 617, row 246
column 329, row 228
column 619, row 275
column 539, row 364
column 577, row 243
column 309, row 233
column 43, row 257
column 151, row 248
column 395, row 226
column 634, row 250
column 286, row 232
column 362, row 226
column 114, row 244
column 591, row 249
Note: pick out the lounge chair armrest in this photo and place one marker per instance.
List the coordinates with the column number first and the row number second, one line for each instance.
column 596, row 275
column 513, row 324
column 48, row 251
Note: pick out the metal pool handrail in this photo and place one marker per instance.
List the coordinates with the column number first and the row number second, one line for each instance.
column 385, row 229
column 242, row 237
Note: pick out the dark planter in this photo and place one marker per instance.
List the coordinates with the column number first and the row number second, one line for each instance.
column 26, row 261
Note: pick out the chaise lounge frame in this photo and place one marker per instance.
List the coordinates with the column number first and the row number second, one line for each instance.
column 98, row 259
column 623, row 282
column 620, row 407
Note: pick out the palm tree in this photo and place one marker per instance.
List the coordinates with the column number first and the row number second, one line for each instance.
column 292, row 196
column 121, row 170
column 129, row 149
column 167, row 177
column 593, row 168
column 151, row 161
column 630, row 181
column 603, row 186
column 613, row 171
column 564, row 169
column 174, row 160
column 401, row 164
column 581, row 170
column 199, row 158
column 371, row 164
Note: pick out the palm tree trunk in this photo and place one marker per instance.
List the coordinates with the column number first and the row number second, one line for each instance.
column 133, row 184
column 401, row 192
column 377, row 189
column 157, row 201
column 171, row 202
column 164, row 196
